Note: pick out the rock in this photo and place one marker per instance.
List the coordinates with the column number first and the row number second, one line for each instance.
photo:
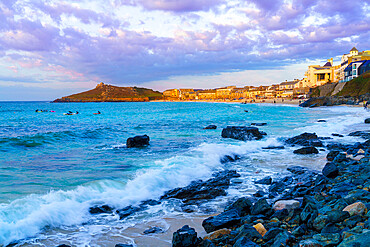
column 336, row 216
column 281, row 214
column 305, row 139
column 363, row 134
column 206, row 243
column 300, row 230
column 330, row 170
column 258, row 124
column 242, row 133
column 199, row 190
column 306, row 150
column 245, row 242
column 217, row 234
column 265, row 180
column 260, row 229
column 332, row 154
column 260, row 207
column 320, row 222
column 101, row 209
column 286, row 204
column 150, row 202
column 327, row 239
column 185, row 237
column 189, row 208
column 223, row 220
column 63, row 245
column 274, row 147
column 321, row 121
column 338, row 135
column 211, row 127
column 367, row 120
column 242, row 206
column 154, row 229
column 124, row 245
column 297, row 169
column 127, row 211
column 229, row 158
column 357, row 208
column 248, row 232
column 137, row 141
column 272, row 233
column 309, row 243
column 358, row 240
column 283, row 239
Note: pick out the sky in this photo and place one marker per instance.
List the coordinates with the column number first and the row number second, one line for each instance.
column 50, row 48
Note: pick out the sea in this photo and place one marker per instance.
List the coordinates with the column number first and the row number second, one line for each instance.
column 54, row 167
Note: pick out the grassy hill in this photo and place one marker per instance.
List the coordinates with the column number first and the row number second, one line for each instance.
column 108, row 93
column 356, row 87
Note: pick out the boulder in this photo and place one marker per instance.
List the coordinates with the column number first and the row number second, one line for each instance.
column 337, row 216
column 100, row 209
column 127, row 211
column 211, row 127
column 123, row 245
column 243, row 206
column 265, row 180
column 242, row 133
column 185, row 237
column 357, row 208
column 332, row 154
column 272, row 233
column 330, row 170
column 283, row 239
column 63, row 245
column 203, row 190
column 363, row 134
column 327, row 239
column 305, row 139
column 310, row 243
column 306, row 150
column 260, row 229
column 367, row 120
column 248, row 232
column 258, row 124
column 273, row 147
column 286, row 204
column 261, row 207
column 217, row 234
column 224, row 220
column 152, row 230
column 298, row 170
column 321, row 121
column 245, row 242
column 357, row 240
column 229, row 158
column 137, row 141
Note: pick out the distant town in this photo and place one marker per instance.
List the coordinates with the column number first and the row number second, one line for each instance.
column 352, row 65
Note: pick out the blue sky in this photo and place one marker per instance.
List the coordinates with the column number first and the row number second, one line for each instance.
column 50, row 49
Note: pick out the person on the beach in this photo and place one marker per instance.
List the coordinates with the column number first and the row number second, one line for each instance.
column 366, row 105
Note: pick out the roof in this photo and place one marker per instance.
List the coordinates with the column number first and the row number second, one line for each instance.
column 288, row 83
column 354, row 49
column 327, row 64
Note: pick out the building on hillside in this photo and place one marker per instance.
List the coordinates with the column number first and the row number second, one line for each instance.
column 317, row 75
column 237, row 93
column 301, row 83
column 364, row 67
column 186, row 93
column 171, row 93
column 224, row 92
column 355, row 69
column 288, row 84
column 209, row 94
column 353, row 56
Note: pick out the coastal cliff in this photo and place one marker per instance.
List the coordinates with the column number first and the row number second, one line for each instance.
column 352, row 92
column 108, row 93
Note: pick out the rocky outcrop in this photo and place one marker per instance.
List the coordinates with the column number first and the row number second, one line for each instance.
column 211, row 127
column 305, row 139
column 185, row 237
column 306, row 150
column 137, row 141
column 242, row 133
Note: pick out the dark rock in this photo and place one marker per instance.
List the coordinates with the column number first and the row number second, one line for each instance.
column 150, row 202
column 263, row 133
column 100, row 209
column 127, row 211
column 223, row 220
column 274, row 147
column 297, row 169
column 206, row 243
column 249, row 232
column 330, row 228
column 305, row 139
column 363, row 134
column 242, row 206
column 281, row 214
column 242, row 133
column 306, row 150
column 245, row 242
column 259, row 193
column 277, row 187
column 358, row 240
column 137, row 141
column 199, row 190
column 63, row 245
column 321, row 121
column 152, row 230
column 189, row 208
column 338, row 135
column 261, row 207
column 310, row 243
column 367, row 120
column 283, row 239
column 330, row 170
column 124, row 245
column 336, row 216
column 327, row 239
column 332, row 154
column 352, row 221
column 211, row 127
column 229, row 158
column 341, row 157
column 265, row 180
column 300, row 230
column 258, row 124
column 320, row 222
column 185, row 237
column 272, row 233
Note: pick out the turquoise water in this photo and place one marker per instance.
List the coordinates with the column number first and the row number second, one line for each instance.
column 53, row 167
